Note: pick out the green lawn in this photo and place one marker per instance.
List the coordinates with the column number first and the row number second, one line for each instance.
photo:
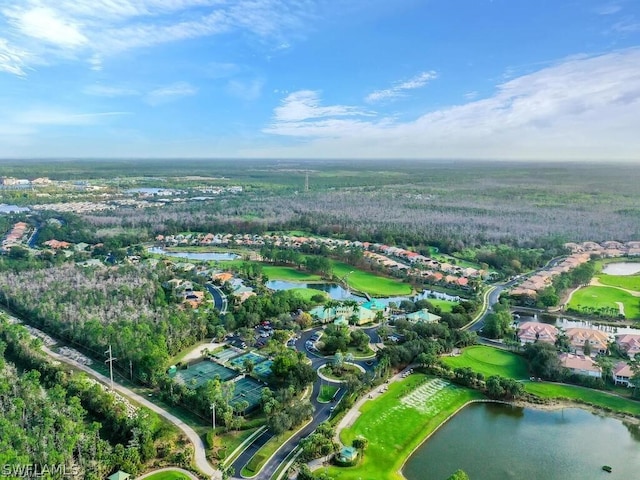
column 630, row 282
column 168, row 476
column 370, row 283
column 590, row 299
column 308, row 293
column 490, row 361
column 327, row 392
column 397, row 422
column 445, row 305
column 594, row 397
column 289, row 274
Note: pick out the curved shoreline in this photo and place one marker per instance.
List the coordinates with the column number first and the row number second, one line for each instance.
column 556, row 405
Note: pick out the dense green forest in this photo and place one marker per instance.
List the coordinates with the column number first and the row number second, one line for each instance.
column 68, row 424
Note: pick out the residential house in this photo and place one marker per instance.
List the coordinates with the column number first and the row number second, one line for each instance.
column 629, row 343
column 622, row 374
column 598, row 340
column 327, row 315
column 580, row 365
column 529, row 332
column 422, row 316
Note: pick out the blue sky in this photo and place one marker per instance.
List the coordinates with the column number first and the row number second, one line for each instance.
column 486, row 79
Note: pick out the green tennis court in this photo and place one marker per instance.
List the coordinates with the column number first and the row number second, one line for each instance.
column 238, row 362
column 201, row 372
column 248, row 390
column 263, row 369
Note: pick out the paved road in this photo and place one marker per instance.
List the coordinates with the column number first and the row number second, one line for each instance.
column 219, row 298
column 169, row 469
column 494, row 296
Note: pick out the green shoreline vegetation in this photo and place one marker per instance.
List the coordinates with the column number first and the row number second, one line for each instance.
column 388, row 447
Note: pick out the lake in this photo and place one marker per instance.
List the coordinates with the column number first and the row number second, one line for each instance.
column 502, row 442
column 218, row 256
column 621, row 268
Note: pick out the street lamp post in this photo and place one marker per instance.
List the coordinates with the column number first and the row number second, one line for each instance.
column 213, row 415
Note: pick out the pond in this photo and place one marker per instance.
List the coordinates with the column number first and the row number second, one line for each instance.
column 496, row 441
column 218, row 256
column 337, row 292
column 621, row 268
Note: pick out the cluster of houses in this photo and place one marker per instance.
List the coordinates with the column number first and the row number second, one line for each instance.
column 23, row 182
column 541, row 280
column 608, row 249
column 16, row 236
column 576, row 361
column 393, row 259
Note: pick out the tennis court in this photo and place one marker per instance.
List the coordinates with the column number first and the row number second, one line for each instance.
column 225, row 355
column 263, row 369
column 201, row 372
column 238, row 362
column 248, row 390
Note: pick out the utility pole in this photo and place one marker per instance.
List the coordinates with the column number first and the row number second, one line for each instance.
column 213, row 415
column 131, row 369
column 110, row 362
column 306, row 181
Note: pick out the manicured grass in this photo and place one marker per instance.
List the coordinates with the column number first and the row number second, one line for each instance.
column 587, row 395
column 605, row 297
column 308, row 293
column 445, row 305
column 360, row 354
column 630, row 282
column 397, row 422
column 289, row 274
column 327, row 392
column 255, row 464
column 370, row 283
column 490, row 361
column 168, row 476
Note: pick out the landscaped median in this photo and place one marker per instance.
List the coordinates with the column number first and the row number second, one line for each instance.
column 398, row 421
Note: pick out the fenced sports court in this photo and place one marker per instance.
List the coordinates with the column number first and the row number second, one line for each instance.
column 248, row 390
column 238, row 362
column 201, row 372
column 225, row 355
column 263, row 369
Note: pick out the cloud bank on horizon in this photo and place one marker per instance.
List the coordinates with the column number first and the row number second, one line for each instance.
column 313, row 79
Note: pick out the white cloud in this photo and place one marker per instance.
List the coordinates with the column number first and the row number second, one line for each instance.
column 170, row 93
column 50, row 30
column 305, row 105
column 400, row 88
column 12, row 59
column 42, row 23
column 586, row 108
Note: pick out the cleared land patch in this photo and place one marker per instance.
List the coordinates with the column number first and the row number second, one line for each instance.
column 604, row 300
column 397, row 422
column 490, row 361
